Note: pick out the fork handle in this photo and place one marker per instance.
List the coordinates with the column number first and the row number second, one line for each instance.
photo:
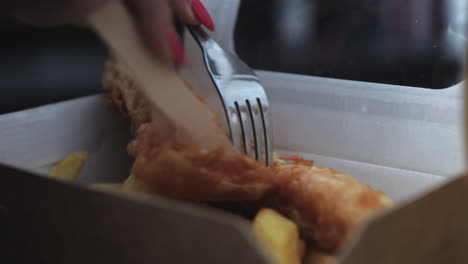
column 209, row 47
column 200, row 35
column 220, row 63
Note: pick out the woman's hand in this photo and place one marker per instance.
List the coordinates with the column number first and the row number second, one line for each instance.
column 153, row 17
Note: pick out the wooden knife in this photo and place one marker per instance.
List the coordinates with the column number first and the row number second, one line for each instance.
column 158, row 80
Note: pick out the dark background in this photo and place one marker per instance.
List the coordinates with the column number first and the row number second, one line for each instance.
column 39, row 66
column 409, row 42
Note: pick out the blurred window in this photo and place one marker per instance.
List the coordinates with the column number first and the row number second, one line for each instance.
column 405, row 42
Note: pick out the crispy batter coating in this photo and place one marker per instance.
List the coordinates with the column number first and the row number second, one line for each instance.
column 184, row 171
column 296, row 159
column 327, row 205
column 123, row 93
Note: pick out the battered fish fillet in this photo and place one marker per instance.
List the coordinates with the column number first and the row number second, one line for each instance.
column 327, row 205
column 171, row 165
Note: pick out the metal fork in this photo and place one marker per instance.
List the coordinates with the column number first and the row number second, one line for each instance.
column 244, row 98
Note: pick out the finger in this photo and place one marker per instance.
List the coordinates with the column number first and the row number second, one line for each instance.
column 184, row 11
column 154, row 20
column 201, row 13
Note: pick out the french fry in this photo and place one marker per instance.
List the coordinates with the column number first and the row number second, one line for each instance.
column 280, row 236
column 318, row 257
column 134, row 185
column 106, row 186
column 70, row 167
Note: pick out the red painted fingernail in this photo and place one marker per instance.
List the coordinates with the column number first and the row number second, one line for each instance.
column 202, row 14
column 177, row 48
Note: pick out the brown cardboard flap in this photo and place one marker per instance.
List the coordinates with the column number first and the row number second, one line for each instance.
column 48, row 221
column 431, row 229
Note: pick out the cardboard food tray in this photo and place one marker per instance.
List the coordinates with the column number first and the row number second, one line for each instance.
column 407, row 142
column 59, row 217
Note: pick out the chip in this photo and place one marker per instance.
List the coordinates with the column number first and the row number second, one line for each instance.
column 318, row 257
column 280, row 236
column 70, row 167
